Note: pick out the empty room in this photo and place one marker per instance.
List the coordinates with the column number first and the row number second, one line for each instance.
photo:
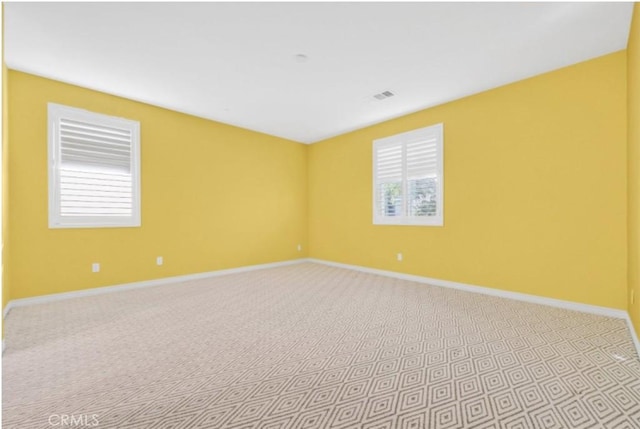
column 320, row 215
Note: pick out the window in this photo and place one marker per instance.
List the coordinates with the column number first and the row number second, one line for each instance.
column 94, row 169
column 408, row 178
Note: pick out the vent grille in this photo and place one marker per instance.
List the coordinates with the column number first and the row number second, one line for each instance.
column 383, row 95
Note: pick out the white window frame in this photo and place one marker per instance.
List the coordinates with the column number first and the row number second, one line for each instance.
column 402, row 139
column 56, row 220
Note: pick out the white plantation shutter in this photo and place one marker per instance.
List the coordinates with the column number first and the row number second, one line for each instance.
column 422, row 158
column 388, row 165
column 93, row 170
column 408, row 179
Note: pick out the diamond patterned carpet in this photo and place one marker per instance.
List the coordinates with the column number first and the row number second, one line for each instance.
column 311, row 346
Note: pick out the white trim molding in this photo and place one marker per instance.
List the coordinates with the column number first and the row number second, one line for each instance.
column 42, row 299
column 634, row 336
column 7, row 309
column 567, row 305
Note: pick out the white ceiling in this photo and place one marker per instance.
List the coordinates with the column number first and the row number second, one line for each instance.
column 234, row 62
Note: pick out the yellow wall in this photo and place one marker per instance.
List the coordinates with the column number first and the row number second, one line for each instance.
column 633, row 112
column 535, row 193
column 5, row 187
column 213, row 197
column 535, row 190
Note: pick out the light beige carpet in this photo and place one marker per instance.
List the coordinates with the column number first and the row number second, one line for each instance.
column 311, row 346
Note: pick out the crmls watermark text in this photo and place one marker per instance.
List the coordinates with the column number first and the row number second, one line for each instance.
column 74, row 420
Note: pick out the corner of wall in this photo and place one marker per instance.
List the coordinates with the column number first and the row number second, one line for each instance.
column 633, row 177
column 4, row 241
column 4, row 244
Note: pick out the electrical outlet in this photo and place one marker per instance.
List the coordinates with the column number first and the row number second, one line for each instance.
column 159, row 260
column 95, row 267
column 399, row 256
column 299, row 247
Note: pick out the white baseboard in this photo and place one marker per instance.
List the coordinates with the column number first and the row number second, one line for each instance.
column 634, row 337
column 141, row 284
column 568, row 305
column 7, row 309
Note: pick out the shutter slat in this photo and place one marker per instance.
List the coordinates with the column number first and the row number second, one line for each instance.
column 67, row 134
column 122, row 179
column 95, row 145
column 84, row 187
column 85, row 126
column 75, row 153
column 92, row 174
column 84, row 194
column 95, row 204
column 389, row 163
column 117, row 167
column 422, row 159
column 96, row 212
column 71, row 198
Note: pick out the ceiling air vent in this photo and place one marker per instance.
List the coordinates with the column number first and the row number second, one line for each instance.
column 383, row 95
